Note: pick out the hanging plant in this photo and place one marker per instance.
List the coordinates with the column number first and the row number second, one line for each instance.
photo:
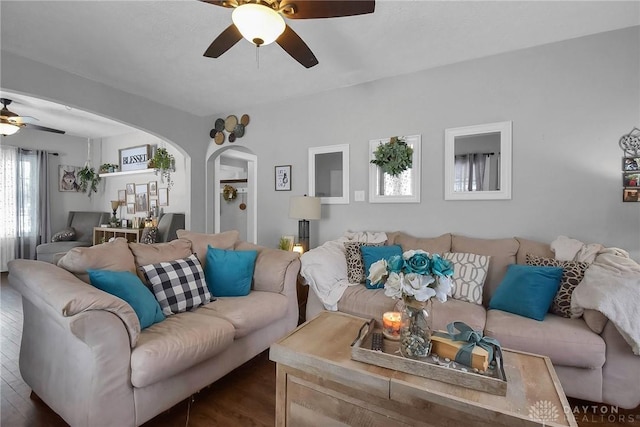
column 88, row 179
column 164, row 163
column 394, row 157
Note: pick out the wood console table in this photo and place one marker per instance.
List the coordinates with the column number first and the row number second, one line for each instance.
column 103, row 234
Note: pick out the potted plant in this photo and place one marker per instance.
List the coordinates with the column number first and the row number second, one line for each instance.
column 394, row 157
column 164, row 163
column 109, row 168
column 88, row 179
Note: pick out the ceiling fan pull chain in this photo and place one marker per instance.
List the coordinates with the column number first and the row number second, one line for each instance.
column 258, row 57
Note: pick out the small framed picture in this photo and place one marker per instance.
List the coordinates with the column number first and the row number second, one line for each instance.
column 288, row 242
column 68, row 178
column 131, row 208
column 630, row 195
column 142, row 198
column 630, row 164
column 283, row 178
column 122, row 196
column 153, row 188
column 631, row 180
column 153, row 203
column 163, row 197
column 130, row 189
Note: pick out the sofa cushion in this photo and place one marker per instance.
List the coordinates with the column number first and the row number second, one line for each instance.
column 248, row 313
column 572, row 274
column 128, row 287
column 371, row 254
column 527, row 290
column 200, row 242
column 271, row 266
column 144, row 254
column 114, row 255
column 229, row 273
column 433, row 245
column 178, row 285
column 367, row 303
column 567, row 342
column 65, row 235
column 454, row 310
column 469, row 274
column 532, row 247
column 355, row 264
column 176, row 344
column 502, row 252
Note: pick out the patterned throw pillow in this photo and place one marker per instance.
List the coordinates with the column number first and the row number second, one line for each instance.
column 66, row 235
column 355, row 264
column 149, row 235
column 178, row 285
column 469, row 274
column 572, row 274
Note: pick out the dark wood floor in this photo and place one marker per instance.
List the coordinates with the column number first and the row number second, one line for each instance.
column 245, row 397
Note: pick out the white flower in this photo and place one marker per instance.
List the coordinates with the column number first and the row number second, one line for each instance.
column 417, row 286
column 393, row 286
column 411, row 252
column 377, row 271
column 443, row 288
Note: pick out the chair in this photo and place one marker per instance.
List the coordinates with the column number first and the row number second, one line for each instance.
column 83, row 224
column 167, row 226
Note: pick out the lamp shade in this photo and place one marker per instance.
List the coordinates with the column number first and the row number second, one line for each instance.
column 303, row 207
column 257, row 23
column 7, row 128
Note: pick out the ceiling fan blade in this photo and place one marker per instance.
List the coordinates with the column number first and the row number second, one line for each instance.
column 310, row 9
column 297, row 48
column 22, row 119
column 224, row 42
column 43, row 128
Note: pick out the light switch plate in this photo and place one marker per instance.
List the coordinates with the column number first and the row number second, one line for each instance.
column 358, row 195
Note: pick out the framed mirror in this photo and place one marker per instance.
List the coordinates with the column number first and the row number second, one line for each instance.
column 402, row 188
column 477, row 162
column 329, row 173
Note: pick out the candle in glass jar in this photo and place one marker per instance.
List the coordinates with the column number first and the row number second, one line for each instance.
column 391, row 325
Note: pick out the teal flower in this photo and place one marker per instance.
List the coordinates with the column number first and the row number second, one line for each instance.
column 417, row 262
column 395, row 264
column 440, row 266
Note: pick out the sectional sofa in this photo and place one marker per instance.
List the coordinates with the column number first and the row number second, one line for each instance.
column 590, row 356
column 83, row 351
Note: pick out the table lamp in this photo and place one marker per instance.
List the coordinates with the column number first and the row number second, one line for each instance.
column 304, row 208
column 114, row 205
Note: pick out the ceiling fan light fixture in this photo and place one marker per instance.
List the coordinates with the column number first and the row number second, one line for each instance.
column 257, row 23
column 7, row 128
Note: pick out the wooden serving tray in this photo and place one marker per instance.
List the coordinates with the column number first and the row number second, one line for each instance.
column 494, row 381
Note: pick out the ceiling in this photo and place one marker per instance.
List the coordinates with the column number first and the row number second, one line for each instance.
column 155, row 49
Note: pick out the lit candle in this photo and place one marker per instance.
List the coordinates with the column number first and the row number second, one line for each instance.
column 391, row 325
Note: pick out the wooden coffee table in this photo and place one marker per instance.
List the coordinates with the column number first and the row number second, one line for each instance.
column 319, row 384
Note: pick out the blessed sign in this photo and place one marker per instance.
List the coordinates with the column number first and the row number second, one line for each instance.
column 135, row 158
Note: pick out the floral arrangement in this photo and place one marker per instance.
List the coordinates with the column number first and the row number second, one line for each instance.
column 394, row 157
column 412, row 276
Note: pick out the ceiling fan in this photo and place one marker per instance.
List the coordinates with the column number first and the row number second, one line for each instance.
column 11, row 123
column 261, row 22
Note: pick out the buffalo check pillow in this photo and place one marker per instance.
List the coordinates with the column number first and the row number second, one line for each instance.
column 178, row 285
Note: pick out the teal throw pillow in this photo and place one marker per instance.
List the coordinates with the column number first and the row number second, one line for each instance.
column 371, row 254
column 229, row 273
column 527, row 290
column 128, row 287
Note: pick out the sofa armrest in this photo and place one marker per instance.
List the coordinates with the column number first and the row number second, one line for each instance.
column 60, row 293
column 271, row 267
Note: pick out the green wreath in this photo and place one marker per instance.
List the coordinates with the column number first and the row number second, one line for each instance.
column 394, row 157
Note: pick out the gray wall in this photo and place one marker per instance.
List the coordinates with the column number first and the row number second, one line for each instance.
column 569, row 102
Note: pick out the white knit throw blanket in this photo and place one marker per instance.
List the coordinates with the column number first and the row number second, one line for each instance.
column 611, row 285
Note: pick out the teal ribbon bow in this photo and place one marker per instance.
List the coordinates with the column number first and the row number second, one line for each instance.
column 473, row 338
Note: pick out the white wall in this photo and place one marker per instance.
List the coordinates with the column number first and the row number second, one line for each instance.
column 569, row 102
column 178, row 199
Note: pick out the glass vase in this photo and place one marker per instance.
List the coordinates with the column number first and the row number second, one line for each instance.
column 415, row 331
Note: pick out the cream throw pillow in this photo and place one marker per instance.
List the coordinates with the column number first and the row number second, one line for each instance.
column 469, row 274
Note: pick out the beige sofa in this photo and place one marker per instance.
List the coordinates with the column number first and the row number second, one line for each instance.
column 83, row 352
column 591, row 358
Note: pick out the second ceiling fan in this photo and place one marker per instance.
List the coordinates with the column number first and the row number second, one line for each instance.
column 261, row 22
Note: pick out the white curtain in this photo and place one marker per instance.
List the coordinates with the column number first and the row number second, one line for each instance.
column 8, row 204
column 477, row 172
column 25, row 209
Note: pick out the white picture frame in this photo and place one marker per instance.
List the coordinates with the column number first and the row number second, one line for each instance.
column 283, row 178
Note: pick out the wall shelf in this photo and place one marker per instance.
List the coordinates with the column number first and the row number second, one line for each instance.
column 135, row 172
column 232, row 181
